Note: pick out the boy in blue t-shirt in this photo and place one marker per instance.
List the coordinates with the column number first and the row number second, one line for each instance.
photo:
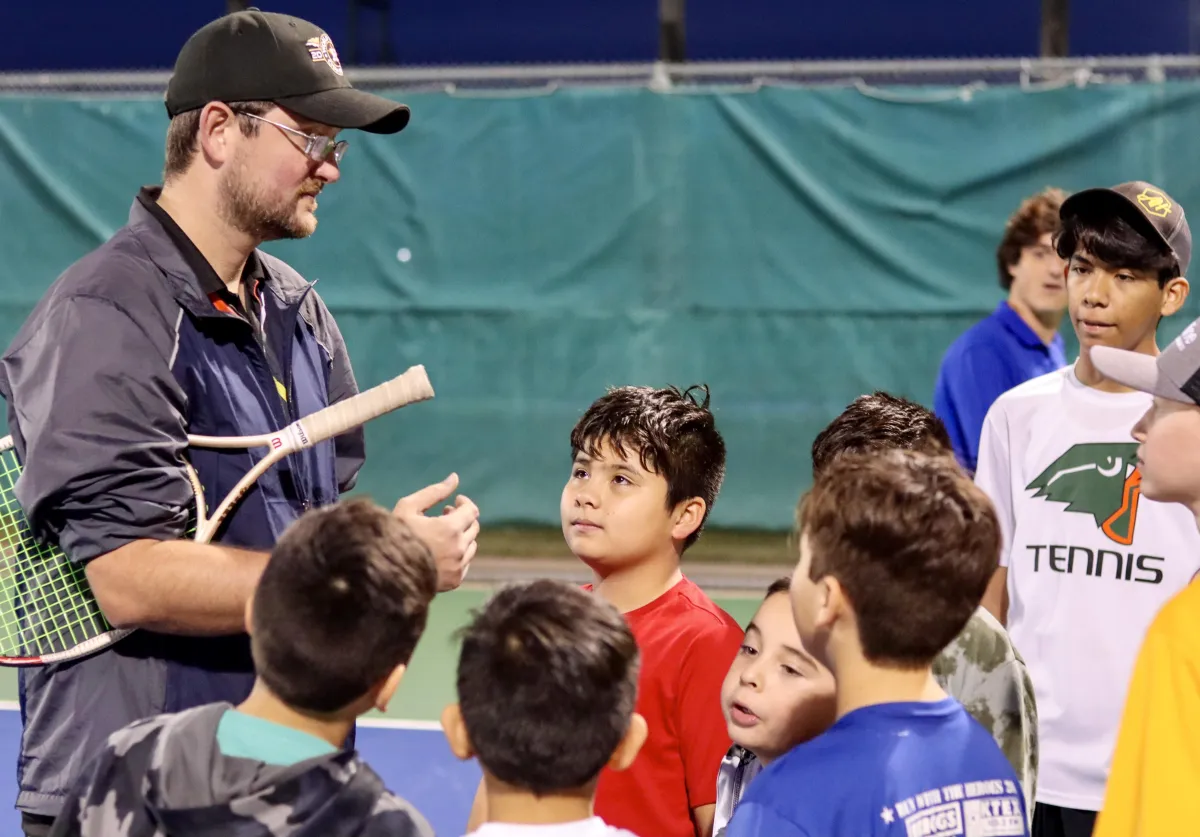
column 896, row 549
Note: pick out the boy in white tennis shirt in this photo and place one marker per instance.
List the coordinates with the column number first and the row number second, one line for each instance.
column 547, row 680
column 1087, row 561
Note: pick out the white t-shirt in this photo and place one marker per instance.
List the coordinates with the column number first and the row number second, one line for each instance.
column 737, row 771
column 593, row 827
column 1090, row 562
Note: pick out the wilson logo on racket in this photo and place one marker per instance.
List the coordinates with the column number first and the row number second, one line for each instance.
column 1100, row 479
column 276, row 442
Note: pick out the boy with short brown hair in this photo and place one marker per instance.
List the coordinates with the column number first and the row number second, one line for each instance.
column 896, row 549
column 1019, row 340
column 980, row 667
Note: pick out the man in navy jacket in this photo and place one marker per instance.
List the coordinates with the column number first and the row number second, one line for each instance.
column 179, row 324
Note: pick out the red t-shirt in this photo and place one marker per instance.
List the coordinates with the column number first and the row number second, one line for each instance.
column 687, row 644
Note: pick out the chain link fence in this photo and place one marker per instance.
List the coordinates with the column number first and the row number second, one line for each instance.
column 964, row 74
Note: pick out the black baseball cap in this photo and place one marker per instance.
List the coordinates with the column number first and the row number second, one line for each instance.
column 262, row 56
column 1154, row 212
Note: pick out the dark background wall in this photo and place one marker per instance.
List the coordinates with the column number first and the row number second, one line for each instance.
column 124, row 34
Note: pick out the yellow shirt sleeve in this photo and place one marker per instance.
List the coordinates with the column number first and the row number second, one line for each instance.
column 1154, row 783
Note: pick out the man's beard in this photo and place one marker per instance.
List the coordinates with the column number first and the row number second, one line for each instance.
column 245, row 208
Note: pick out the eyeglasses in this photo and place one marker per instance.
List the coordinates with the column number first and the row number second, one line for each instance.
column 317, row 148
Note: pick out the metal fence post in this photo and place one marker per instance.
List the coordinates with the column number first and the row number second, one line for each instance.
column 672, row 33
column 1056, row 19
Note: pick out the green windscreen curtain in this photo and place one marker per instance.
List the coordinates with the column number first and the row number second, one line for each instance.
column 790, row 247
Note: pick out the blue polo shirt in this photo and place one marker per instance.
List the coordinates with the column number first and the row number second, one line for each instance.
column 888, row 770
column 986, row 361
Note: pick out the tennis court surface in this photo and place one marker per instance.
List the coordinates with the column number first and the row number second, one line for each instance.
column 405, row 746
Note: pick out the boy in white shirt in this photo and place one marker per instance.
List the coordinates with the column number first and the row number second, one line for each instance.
column 547, row 680
column 1087, row 561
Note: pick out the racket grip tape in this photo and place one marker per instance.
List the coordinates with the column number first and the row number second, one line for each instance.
column 408, row 388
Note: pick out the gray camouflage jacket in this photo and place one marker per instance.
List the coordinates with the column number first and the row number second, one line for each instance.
column 982, row 670
column 166, row 776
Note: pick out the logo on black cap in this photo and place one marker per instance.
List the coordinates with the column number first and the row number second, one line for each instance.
column 321, row 49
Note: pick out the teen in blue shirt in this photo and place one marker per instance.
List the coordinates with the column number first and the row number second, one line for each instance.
column 1016, row 342
column 895, row 553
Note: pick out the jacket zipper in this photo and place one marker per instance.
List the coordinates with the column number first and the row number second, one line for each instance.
column 296, row 461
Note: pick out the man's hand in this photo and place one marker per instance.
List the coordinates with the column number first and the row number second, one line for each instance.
column 451, row 537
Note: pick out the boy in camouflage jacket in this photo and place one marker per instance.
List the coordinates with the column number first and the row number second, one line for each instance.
column 333, row 623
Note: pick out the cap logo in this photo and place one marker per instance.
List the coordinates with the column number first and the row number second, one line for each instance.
column 321, row 49
column 1155, row 202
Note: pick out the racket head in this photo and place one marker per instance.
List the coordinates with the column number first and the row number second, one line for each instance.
column 48, row 613
column 47, row 610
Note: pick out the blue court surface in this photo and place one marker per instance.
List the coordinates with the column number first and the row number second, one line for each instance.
column 411, row 757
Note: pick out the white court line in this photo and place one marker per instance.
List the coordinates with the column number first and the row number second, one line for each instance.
column 382, row 723
column 397, row 723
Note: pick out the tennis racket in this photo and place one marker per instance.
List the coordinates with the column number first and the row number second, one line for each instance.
column 48, row 613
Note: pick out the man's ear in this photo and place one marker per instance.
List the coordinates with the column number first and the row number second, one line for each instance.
column 631, row 743
column 215, row 134
column 249, row 614
column 456, row 732
column 688, row 516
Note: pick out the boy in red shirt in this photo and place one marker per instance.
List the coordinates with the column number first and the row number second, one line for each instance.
column 646, row 471
column 647, row 465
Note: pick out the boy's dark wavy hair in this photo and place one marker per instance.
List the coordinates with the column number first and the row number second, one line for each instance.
column 672, row 432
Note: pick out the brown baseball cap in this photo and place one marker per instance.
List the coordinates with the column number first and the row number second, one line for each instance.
column 1154, row 211
column 264, row 56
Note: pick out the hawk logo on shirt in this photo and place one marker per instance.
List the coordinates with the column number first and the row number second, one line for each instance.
column 1100, row 479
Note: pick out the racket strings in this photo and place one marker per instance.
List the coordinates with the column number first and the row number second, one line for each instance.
column 45, row 604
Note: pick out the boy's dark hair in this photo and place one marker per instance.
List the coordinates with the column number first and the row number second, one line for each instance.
column 779, row 585
column 672, row 433
column 547, row 680
column 1036, row 216
column 1118, row 236
column 913, row 542
column 879, row 421
column 341, row 603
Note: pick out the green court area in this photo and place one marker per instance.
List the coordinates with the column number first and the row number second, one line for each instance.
column 717, row 546
column 429, row 684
